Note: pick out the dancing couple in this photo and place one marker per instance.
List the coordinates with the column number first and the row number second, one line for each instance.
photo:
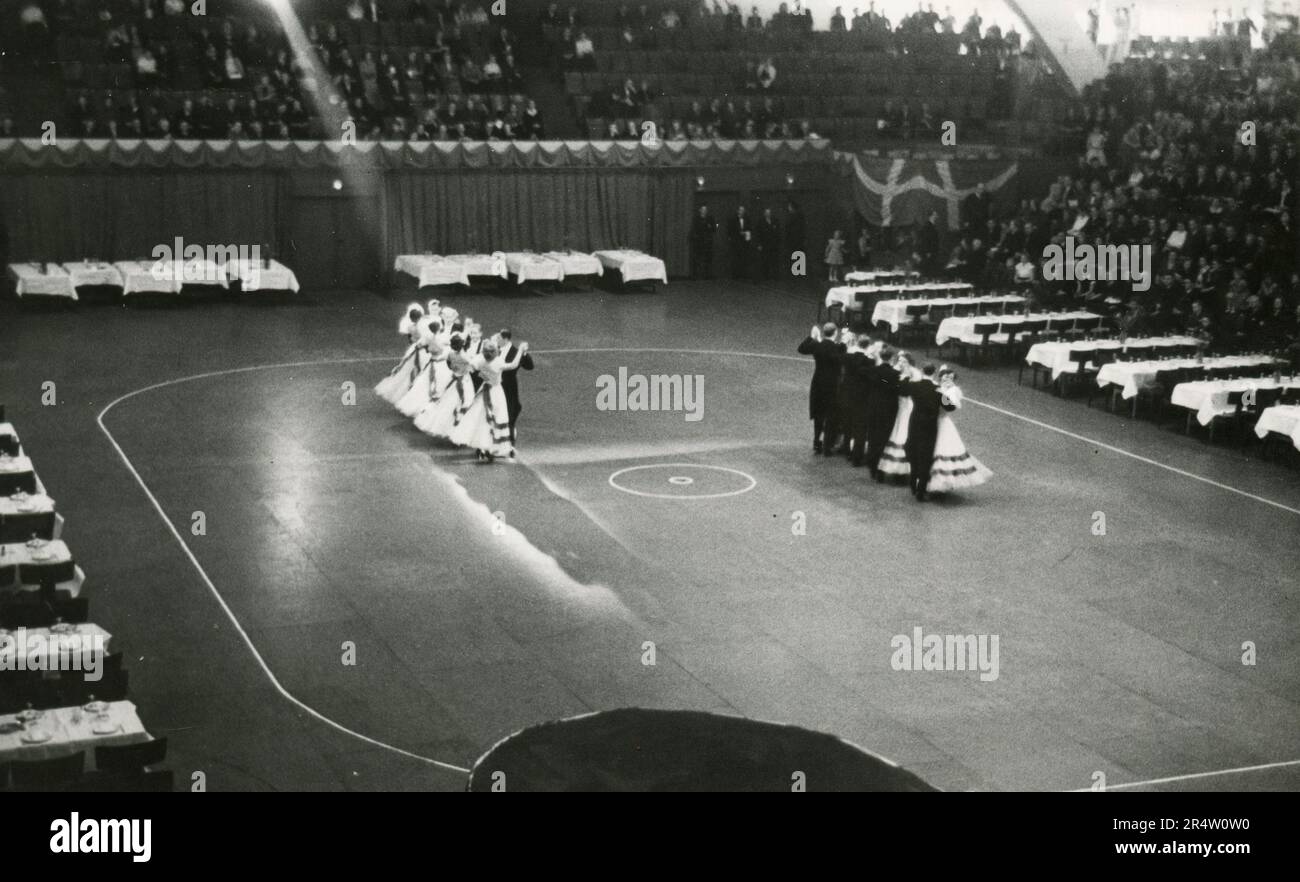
column 886, row 414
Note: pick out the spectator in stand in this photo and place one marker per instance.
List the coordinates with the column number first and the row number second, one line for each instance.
column 766, row 74
column 584, row 52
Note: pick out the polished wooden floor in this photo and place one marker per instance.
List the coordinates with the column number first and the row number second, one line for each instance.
column 480, row 599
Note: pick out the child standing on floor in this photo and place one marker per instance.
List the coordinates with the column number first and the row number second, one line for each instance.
column 835, row 255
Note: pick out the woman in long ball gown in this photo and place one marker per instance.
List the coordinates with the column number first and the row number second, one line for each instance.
column 894, row 459
column 445, row 413
column 954, row 468
column 486, row 424
column 398, row 382
column 425, row 385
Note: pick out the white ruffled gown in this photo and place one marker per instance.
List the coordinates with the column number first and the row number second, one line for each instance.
column 893, row 461
column 444, row 413
column 954, row 468
column 486, row 424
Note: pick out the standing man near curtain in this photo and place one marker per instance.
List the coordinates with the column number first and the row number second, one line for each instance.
column 769, row 243
column 740, row 232
column 793, row 226
column 703, row 229
column 510, row 379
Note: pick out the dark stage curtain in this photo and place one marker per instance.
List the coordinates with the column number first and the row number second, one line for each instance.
column 539, row 211
column 121, row 216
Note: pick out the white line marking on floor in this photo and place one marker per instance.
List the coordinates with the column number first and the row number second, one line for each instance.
column 1193, row 776
column 1136, row 456
column 270, row 675
column 239, row 628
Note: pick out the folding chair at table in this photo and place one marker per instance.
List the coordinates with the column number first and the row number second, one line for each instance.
column 46, row 775
column 1079, row 360
column 1100, row 358
column 990, row 339
column 21, row 527
column 915, row 324
column 131, row 757
column 16, row 482
column 1157, row 391
column 46, row 576
column 1233, row 417
column 1028, row 333
column 1251, row 410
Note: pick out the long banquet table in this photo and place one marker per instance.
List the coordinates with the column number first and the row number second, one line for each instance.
column 963, row 327
column 55, row 553
column 633, row 266
column 1132, row 375
column 1055, row 355
column 1282, row 419
column 576, row 263
column 68, row 730
column 253, row 275
column 846, row 296
column 527, row 266
column 33, row 280
column 431, row 269
column 872, row 276
column 1209, row 398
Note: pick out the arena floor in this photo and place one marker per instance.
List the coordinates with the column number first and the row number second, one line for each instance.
column 481, row 599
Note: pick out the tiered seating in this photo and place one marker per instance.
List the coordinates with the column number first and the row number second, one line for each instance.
column 62, row 691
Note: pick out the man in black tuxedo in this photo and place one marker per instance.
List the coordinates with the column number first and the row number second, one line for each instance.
column 927, row 244
column 703, row 230
column 769, row 244
column 509, row 380
column 854, row 388
column 793, row 225
column 882, row 405
column 923, row 427
column 740, row 232
column 826, row 353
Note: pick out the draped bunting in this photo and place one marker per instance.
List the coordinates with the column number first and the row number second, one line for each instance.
column 899, row 192
column 25, row 153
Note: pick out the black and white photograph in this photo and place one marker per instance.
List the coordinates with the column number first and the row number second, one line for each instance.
column 679, row 396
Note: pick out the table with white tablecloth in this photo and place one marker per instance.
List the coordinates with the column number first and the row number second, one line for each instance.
column 894, row 312
column 526, row 266
column 55, row 554
column 256, row 275
column 847, row 296
column 1209, row 398
column 431, row 269
column 1055, row 355
column 96, row 273
column 482, row 264
column 963, row 328
column 870, row 276
column 1132, row 375
column 576, row 263
column 67, row 730
column 70, row 637
column 1281, row 419
column 36, row 280
column 634, row 266
column 140, row 277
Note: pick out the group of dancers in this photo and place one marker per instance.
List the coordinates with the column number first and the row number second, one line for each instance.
column 455, row 383
column 887, row 414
